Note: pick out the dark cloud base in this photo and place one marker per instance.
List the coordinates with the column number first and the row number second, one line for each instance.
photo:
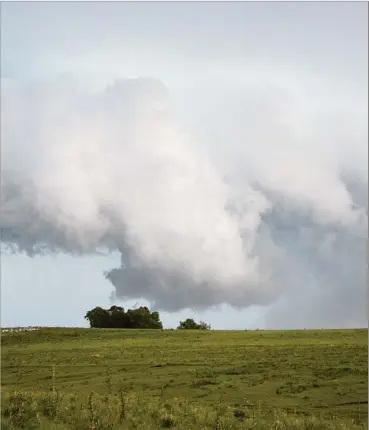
column 318, row 279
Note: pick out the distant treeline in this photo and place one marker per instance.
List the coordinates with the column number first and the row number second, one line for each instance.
column 140, row 318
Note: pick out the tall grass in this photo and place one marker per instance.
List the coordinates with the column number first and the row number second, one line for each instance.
column 55, row 410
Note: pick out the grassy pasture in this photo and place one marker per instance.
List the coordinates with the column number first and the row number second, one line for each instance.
column 319, row 375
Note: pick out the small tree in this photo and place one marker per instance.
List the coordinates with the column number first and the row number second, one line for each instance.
column 204, row 326
column 190, row 324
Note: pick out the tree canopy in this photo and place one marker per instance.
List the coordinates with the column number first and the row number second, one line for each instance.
column 116, row 317
column 190, row 324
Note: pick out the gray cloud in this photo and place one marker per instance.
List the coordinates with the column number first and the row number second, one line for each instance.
column 234, row 33
column 256, row 202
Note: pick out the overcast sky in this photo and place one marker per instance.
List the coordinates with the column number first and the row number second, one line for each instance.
column 264, row 103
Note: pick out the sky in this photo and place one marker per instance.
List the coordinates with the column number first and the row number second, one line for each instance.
column 208, row 160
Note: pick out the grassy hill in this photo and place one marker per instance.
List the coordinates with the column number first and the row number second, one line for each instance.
column 199, row 379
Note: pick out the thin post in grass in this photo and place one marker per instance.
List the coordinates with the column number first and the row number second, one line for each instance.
column 92, row 413
column 358, row 412
column 54, row 397
column 122, row 415
column 53, row 378
column 108, row 378
column 19, row 375
column 217, row 423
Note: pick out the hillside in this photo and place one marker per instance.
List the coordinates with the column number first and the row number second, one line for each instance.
column 313, row 372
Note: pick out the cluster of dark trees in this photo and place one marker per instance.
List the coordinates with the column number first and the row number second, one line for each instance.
column 116, row 317
column 142, row 317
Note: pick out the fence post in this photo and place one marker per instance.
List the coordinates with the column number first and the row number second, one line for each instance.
column 53, row 377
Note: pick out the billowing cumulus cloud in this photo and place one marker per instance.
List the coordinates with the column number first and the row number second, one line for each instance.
column 261, row 199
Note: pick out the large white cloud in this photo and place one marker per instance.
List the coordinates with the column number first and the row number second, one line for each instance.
column 262, row 197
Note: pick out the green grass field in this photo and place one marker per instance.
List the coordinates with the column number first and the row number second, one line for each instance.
column 199, row 379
